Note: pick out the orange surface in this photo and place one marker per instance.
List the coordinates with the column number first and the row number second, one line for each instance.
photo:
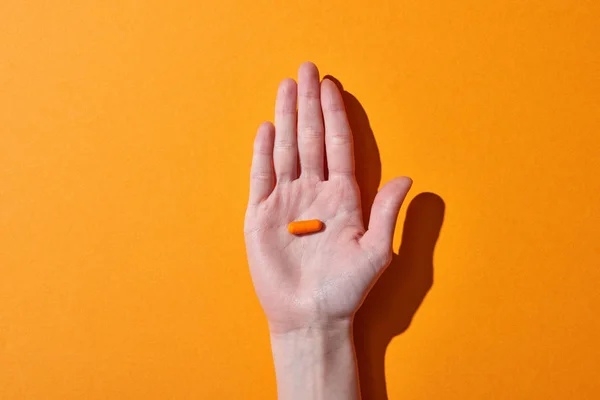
column 126, row 129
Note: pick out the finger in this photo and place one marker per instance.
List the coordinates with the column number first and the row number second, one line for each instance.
column 311, row 145
column 384, row 213
column 262, row 178
column 285, row 153
column 338, row 136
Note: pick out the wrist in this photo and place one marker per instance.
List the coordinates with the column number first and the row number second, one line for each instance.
column 309, row 329
column 311, row 343
column 315, row 362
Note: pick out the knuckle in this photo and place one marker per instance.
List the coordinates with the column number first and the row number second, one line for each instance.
column 285, row 111
column 312, row 132
column 262, row 176
column 346, row 174
column 285, row 145
column 386, row 257
column 334, row 107
column 263, row 149
column 340, row 138
column 285, row 107
column 380, row 256
column 312, row 94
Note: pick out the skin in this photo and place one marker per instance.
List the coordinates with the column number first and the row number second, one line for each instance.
column 311, row 286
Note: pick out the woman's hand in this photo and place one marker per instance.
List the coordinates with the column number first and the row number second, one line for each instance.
column 303, row 168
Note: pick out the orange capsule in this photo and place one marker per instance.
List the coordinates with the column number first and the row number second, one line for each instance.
column 303, row 227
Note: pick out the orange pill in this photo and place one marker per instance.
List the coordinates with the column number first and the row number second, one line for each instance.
column 303, row 227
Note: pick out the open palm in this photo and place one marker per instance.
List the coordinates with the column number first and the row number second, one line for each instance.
column 313, row 280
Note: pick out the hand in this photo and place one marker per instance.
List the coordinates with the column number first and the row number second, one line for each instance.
column 318, row 280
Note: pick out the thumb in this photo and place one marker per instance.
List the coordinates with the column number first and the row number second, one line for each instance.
column 382, row 223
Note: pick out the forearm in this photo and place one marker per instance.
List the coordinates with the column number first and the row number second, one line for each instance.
column 316, row 363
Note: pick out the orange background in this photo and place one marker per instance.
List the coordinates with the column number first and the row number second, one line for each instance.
column 126, row 130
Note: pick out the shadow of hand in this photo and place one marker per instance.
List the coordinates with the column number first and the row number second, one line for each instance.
column 391, row 304
column 393, row 301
